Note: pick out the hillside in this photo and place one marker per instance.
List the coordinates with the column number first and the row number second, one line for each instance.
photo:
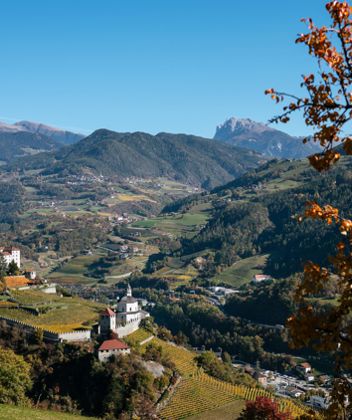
column 15, row 144
column 254, row 215
column 263, row 139
column 189, row 159
column 198, row 393
column 8, row 412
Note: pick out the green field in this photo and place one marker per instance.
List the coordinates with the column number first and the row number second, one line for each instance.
column 73, row 271
column 10, row 412
column 242, row 271
column 186, row 224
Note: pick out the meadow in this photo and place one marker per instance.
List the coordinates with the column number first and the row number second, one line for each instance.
column 10, row 412
column 242, row 272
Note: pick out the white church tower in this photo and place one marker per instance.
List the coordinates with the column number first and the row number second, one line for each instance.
column 128, row 309
column 125, row 320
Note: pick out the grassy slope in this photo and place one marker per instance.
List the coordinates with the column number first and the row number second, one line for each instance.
column 9, row 412
column 242, row 271
column 185, row 225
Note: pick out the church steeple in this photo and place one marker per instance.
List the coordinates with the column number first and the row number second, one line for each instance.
column 129, row 290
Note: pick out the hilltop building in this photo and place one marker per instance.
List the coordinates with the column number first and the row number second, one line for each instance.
column 11, row 254
column 126, row 319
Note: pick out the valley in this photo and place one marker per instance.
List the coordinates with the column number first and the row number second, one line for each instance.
column 196, row 256
column 175, row 210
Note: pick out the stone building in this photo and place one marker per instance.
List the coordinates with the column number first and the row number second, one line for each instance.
column 126, row 319
column 112, row 348
column 10, row 254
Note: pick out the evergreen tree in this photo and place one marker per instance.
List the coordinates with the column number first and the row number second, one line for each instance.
column 3, row 272
column 13, row 269
column 3, row 267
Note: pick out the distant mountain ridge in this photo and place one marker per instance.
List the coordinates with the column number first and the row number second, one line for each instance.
column 26, row 138
column 56, row 134
column 263, row 139
column 16, row 144
column 181, row 157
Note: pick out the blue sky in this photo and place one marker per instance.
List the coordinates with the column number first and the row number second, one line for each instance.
column 150, row 65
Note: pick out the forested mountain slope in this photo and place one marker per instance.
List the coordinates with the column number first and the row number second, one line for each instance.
column 16, row 144
column 257, row 214
column 190, row 159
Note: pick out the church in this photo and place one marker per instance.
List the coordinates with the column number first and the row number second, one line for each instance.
column 126, row 319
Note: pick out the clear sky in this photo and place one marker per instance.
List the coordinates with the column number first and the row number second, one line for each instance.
column 149, row 65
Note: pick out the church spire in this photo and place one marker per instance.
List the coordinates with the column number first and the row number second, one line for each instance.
column 129, row 290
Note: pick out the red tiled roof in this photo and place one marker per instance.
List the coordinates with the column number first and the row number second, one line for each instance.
column 108, row 312
column 113, row 345
column 16, row 281
column 261, row 277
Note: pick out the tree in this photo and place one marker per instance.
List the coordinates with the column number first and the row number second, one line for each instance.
column 15, row 379
column 3, row 267
column 327, row 108
column 263, row 408
column 13, row 269
column 3, row 272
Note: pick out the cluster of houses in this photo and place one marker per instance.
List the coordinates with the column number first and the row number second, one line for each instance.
column 296, row 385
column 124, row 321
column 118, row 324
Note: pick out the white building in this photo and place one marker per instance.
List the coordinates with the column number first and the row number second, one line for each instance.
column 112, row 348
column 127, row 318
column 257, row 278
column 11, row 254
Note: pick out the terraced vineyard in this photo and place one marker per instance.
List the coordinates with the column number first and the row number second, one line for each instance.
column 137, row 337
column 59, row 314
column 198, row 392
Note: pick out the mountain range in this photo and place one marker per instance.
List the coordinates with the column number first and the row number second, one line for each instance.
column 26, row 138
column 263, row 139
column 186, row 158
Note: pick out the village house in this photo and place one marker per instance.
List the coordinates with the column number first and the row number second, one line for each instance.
column 112, row 347
column 261, row 378
column 304, row 368
column 10, row 254
column 257, row 278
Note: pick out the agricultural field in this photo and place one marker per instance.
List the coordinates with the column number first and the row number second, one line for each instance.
column 184, row 224
column 241, row 272
column 74, row 270
column 137, row 337
column 59, row 314
column 11, row 412
column 199, row 393
column 226, row 412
